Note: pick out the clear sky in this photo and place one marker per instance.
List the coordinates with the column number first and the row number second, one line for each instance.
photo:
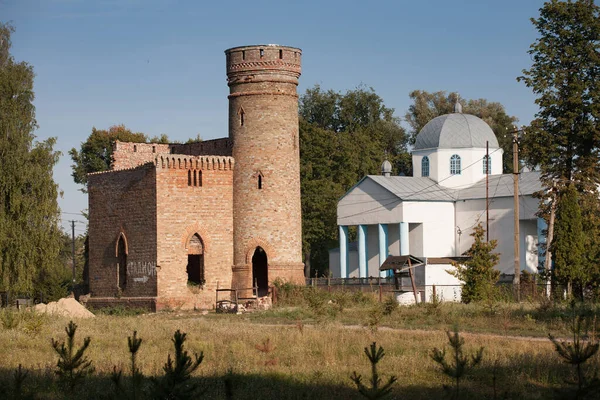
column 158, row 66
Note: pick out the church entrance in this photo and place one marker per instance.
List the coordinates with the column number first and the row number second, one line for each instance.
column 195, row 265
column 260, row 273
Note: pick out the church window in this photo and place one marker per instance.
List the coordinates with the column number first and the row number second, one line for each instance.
column 455, row 168
column 487, row 165
column 425, row 166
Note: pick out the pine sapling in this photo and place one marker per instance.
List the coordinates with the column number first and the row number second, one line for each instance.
column 19, row 377
column 577, row 353
column 174, row 384
column 376, row 390
column 72, row 366
column 134, row 344
column 460, row 363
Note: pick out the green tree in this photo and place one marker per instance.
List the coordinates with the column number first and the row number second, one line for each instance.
column 477, row 273
column 30, row 237
column 343, row 137
column 426, row 106
column 568, row 244
column 564, row 140
column 95, row 154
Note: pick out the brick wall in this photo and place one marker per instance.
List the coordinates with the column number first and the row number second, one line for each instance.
column 122, row 203
column 184, row 210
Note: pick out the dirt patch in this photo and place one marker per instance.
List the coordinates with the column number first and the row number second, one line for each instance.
column 68, row 307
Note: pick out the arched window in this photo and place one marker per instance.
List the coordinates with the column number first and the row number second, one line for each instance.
column 455, row 168
column 195, row 266
column 487, row 165
column 425, row 166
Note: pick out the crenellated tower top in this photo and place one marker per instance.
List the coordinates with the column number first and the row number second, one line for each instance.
column 273, row 62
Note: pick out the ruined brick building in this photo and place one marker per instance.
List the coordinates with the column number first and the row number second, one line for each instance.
column 169, row 223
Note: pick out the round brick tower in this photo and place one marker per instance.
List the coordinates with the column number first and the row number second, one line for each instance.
column 263, row 125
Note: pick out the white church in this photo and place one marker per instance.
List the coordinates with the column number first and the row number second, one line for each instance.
column 431, row 214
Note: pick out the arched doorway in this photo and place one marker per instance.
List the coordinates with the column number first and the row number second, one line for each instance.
column 195, row 265
column 122, row 263
column 260, row 272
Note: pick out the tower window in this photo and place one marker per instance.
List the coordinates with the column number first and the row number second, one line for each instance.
column 455, row 168
column 241, row 113
column 195, row 179
column 425, row 166
column 134, row 148
column 262, row 53
column 260, row 181
column 487, row 165
column 189, row 178
column 243, row 54
column 200, row 178
column 154, row 149
column 280, row 54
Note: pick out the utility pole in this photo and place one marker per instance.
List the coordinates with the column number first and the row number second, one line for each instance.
column 73, row 248
column 487, row 191
column 517, row 278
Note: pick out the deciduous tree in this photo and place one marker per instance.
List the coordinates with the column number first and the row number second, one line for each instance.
column 30, row 237
column 343, row 137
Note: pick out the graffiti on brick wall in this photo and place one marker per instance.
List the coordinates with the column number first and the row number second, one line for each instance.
column 142, row 270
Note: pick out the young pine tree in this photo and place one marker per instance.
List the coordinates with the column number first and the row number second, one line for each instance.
column 377, row 389
column 72, row 365
column 478, row 273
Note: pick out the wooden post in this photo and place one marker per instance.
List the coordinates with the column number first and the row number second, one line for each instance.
column 412, row 280
column 487, row 191
column 517, row 278
column 548, row 260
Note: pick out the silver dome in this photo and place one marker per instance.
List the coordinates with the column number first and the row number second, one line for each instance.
column 457, row 130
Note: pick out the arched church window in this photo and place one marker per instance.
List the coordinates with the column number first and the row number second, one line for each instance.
column 487, row 165
column 455, row 168
column 425, row 166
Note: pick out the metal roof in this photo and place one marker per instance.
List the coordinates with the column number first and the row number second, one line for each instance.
column 409, row 188
column 412, row 188
column 456, row 130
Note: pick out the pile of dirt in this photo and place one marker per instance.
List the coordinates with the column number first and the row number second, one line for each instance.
column 68, row 307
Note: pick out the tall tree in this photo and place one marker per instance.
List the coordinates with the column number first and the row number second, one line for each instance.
column 30, row 238
column 343, row 137
column 95, row 154
column 427, row 106
column 564, row 140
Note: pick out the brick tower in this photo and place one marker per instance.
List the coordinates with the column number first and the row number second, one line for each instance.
column 263, row 125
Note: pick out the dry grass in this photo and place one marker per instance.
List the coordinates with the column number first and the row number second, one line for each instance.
column 315, row 355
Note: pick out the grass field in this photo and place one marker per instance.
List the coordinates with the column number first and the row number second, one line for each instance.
column 314, row 350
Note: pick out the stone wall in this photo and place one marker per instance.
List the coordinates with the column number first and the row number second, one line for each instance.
column 186, row 209
column 122, row 204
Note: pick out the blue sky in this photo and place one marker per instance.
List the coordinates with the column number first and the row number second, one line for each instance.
column 158, row 66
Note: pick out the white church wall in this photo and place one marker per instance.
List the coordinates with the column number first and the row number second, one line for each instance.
column 447, row 287
column 415, row 239
column 470, row 212
column 437, row 235
column 373, row 250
